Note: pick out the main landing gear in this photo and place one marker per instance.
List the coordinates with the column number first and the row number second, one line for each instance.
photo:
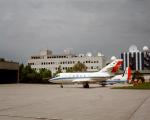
column 103, row 83
column 85, row 85
column 61, row 85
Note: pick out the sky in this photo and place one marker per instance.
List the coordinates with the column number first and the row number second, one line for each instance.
column 106, row 26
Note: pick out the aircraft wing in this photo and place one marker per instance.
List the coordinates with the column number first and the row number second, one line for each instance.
column 82, row 80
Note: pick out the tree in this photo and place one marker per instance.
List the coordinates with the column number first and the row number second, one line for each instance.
column 45, row 73
column 59, row 70
column 79, row 67
column 137, row 75
column 69, row 70
column 28, row 75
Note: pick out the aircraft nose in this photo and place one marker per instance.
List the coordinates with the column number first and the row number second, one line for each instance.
column 50, row 80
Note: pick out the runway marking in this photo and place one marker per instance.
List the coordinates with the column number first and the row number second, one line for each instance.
column 138, row 107
column 39, row 118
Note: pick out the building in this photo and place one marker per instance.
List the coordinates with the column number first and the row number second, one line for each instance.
column 137, row 60
column 46, row 59
column 9, row 71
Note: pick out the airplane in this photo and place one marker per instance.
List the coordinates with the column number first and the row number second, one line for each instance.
column 123, row 78
column 86, row 78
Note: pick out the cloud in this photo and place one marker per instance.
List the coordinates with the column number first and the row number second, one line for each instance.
column 27, row 26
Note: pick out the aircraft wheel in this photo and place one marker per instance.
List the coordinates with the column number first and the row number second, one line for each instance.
column 103, row 85
column 85, row 85
column 61, row 86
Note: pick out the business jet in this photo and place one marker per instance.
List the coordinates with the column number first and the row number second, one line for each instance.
column 86, row 78
column 123, row 78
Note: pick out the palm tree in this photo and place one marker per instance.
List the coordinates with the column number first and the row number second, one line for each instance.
column 79, row 67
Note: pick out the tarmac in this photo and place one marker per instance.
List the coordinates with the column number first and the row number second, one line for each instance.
column 50, row 102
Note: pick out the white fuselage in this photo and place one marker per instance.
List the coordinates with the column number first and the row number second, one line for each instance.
column 102, row 75
column 80, row 77
column 117, row 79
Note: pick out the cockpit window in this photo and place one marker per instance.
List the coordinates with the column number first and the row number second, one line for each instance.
column 57, row 75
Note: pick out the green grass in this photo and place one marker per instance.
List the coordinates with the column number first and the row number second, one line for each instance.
column 143, row 86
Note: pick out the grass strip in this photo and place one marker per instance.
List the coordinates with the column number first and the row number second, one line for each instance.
column 142, row 86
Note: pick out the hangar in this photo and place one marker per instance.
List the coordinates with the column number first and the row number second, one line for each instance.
column 9, row 71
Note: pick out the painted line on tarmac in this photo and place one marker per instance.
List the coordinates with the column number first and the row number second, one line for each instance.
column 138, row 107
column 38, row 118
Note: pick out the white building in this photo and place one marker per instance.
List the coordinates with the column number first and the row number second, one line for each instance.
column 46, row 59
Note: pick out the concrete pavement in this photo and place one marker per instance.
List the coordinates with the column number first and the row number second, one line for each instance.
column 50, row 102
